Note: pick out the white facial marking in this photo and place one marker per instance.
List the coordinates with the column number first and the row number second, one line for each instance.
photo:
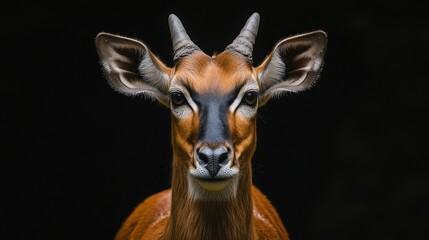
column 185, row 110
column 243, row 109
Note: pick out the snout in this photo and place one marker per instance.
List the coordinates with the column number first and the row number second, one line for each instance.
column 214, row 165
column 213, row 158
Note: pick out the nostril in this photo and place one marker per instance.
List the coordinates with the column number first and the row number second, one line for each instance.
column 203, row 158
column 223, row 157
column 213, row 156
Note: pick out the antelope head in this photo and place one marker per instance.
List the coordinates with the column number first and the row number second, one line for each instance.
column 213, row 99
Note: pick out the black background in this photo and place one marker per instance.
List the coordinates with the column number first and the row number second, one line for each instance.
column 344, row 160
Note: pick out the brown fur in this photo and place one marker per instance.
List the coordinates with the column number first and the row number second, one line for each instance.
column 219, row 73
column 150, row 220
column 224, row 84
column 172, row 214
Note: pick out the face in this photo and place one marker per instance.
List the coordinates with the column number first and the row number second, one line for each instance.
column 213, row 102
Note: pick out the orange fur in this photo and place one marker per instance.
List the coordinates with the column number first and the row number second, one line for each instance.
column 150, row 219
column 172, row 214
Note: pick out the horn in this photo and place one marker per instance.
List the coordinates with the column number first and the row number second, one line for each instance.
column 244, row 42
column 182, row 44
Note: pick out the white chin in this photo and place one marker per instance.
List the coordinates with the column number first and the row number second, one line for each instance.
column 219, row 190
column 214, row 185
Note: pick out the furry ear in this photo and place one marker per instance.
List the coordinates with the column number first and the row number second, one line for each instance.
column 292, row 66
column 132, row 68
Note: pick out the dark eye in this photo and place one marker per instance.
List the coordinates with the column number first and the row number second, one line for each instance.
column 251, row 98
column 177, row 98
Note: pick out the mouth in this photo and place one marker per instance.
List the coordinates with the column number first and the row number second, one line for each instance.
column 214, row 184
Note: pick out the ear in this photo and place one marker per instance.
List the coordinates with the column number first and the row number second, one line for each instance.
column 131, row 68
column 292, row 66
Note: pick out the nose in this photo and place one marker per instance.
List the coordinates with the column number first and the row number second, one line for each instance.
column 213, row 158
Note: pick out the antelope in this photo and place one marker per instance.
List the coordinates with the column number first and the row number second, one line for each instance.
column 213, row 102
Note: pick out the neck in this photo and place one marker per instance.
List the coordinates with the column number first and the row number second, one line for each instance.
column 210, row 219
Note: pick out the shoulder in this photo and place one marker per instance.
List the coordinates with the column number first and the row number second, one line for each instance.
column 268, row 223
column 158, row 200
column 154, row 209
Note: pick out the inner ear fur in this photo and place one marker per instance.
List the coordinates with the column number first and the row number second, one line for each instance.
column 131, row 68
column 294, row 65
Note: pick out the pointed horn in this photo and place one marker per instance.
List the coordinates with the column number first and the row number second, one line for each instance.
column 245, row 41
column 182, row 44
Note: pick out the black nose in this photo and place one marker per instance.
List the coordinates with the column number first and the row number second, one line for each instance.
column 213, row 158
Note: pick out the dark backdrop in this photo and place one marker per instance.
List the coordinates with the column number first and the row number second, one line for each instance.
column 344, row 160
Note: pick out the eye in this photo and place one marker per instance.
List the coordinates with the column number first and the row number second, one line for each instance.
column 251, row 98
column 177, row 98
